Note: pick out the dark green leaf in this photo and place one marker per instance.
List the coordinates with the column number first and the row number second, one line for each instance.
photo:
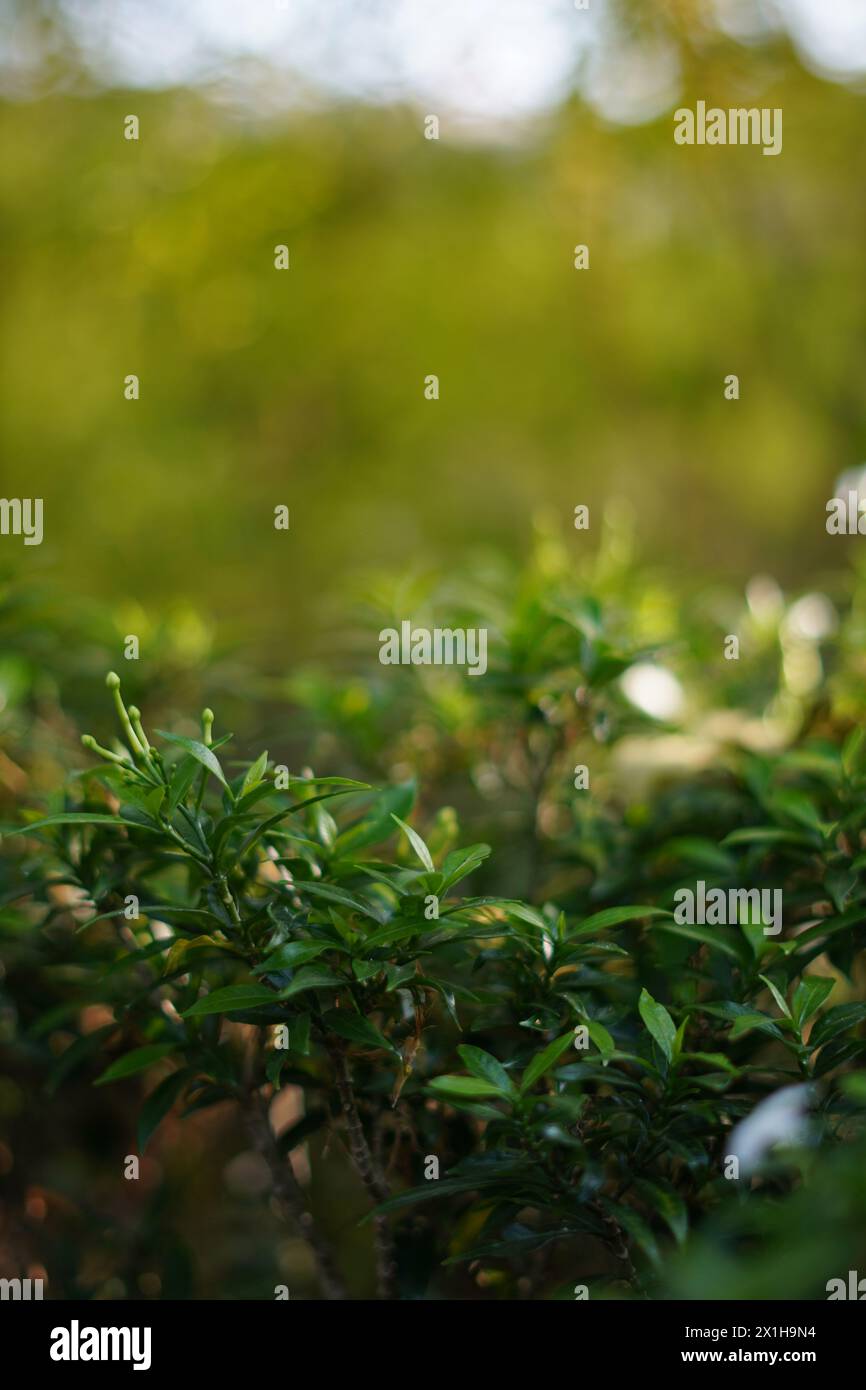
column 659, row 1023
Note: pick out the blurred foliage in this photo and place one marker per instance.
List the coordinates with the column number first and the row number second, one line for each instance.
column 411, row 257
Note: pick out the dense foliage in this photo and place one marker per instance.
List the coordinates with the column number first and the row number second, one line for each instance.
column 537, row 1085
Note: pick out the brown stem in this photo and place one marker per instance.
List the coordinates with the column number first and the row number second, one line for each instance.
column 386, row 1266
column 288, row 1190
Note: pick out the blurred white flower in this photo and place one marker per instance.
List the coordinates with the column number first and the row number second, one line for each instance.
column 653, row 690
column 780, row 1119
column 812, row 617
column 765, row 599
column 852, row 480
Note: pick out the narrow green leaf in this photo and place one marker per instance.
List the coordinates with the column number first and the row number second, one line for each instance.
column 744, row 1023
column 459, row 863
column 332, row 894
column 417, row 843
column 78, row 818
column 835, row 1021
column 376, row 825
column 544, row 1061
column 614, row 916
column 200, row 752
column 256, row 834
column 255, row 774
column 705, row 936
column 181, row 949
column 158, row 1103
column 182, row 777
column 771, row 835
column 777, row 995
column 138, row 1060
column 464, row 1086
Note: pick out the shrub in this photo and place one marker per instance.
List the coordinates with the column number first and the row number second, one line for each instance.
column 587, row 1128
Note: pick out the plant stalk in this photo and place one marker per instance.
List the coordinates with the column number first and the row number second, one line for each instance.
column 368, row 1171
column 289, row 1192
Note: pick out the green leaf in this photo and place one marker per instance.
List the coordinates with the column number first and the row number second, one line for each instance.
column 854, row 753
column 744, row 1023
column 133, row 1062
column 464, row 1086
column 482, row 1064
column 544, row 1060
column 158, row 1103
column 809, row 996
column 78, row 818
column 255, row 774
column 181, row 949
column 417, row 844
column 290, row 955
column 357, row 1029
column 256, row 834
column 767, row 834
column 376, row 825
column 200, row 752
column 332, row 894
column 711, row 1059
column 798, row 807
column 613, row 916
column 602, row 1039
column 229, row 998
column 459, row 863
column 835, row 1021
column 311, row 977
column 777, row 995
column 182, row 777
column 395, row 931
column 706, row 854
column 829, row 926
column 523, row 911
column 366, row 969
column 299, row 1035
column 713, row 939
column 659, row 1023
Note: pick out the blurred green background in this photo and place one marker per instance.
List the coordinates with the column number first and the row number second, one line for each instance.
column 410, row 257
